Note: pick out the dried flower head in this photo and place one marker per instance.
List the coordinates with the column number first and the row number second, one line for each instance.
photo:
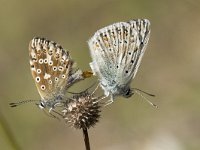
column 83, row 110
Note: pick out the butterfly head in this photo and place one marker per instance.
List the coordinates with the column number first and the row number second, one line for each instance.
column 128, row 93
column 52, row 102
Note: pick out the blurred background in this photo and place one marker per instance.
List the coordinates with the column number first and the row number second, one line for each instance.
column 169, row 69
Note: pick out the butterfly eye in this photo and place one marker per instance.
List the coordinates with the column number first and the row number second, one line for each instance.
column 128, row 93
column 41, row 105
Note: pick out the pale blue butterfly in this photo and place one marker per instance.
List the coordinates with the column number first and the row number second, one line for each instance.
column 117, row 51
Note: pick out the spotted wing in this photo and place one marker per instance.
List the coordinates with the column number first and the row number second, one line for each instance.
column 51, row 67
column 142, row 26
column 117, row 51
column 105, row 50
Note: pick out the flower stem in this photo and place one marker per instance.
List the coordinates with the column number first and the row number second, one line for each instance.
column 86, row 139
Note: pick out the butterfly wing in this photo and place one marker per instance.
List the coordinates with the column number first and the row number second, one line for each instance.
column 135, row 43
column 142, row 26
column 117, row 50
column 51, row 67
column 104, row 51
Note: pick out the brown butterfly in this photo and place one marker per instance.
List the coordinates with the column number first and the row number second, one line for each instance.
column 53, row 72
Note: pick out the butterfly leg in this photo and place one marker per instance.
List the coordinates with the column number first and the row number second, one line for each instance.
column 109, row 101
column 95, row 89
column 54, row 116
column 55, row 110
column 49, row 114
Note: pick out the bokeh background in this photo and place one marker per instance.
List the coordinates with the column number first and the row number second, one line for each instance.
column 169, row 69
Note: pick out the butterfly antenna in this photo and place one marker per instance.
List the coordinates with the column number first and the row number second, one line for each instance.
column 72, row 92
column 149, row 94
column 138, row 91
column 21, row 102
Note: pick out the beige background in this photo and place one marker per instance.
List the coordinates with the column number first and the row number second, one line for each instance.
column 170, row 70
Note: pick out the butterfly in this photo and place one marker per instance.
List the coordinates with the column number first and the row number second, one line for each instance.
column 53, row 72
column 116, row 52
